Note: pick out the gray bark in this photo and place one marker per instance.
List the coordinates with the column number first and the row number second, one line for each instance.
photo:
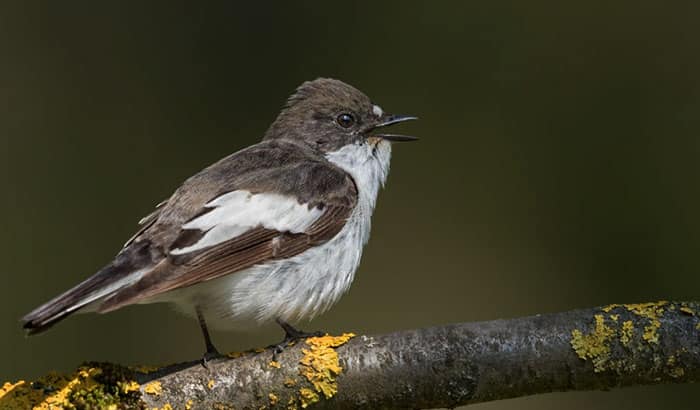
column 458, row 364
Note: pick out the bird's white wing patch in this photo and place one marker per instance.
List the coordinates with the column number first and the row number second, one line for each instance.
column 239, row 211
column 377, row 110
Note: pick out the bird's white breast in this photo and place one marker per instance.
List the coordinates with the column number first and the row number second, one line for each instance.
column 311, row 282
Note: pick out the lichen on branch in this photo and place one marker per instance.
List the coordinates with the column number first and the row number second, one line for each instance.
column 446, row 366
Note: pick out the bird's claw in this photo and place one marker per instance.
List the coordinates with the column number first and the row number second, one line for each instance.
column 210, row 355
column 291, row 336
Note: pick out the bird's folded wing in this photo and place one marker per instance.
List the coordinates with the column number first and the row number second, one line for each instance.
column 244, row 227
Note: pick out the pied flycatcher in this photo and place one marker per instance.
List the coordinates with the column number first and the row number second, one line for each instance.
column 272, row 232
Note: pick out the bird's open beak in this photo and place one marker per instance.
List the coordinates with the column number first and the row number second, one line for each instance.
column 391, row 120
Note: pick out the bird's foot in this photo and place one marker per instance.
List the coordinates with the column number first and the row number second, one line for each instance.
column 291, row 336
column 211, row 355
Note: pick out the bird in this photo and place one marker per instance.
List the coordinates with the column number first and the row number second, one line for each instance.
column 271, row 233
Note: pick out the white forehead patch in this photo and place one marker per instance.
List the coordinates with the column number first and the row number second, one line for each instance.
column 377, row 110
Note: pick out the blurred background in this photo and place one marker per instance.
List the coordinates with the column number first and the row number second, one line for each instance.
column 557, row 168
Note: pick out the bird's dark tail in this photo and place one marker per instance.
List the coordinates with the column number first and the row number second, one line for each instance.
column 127, row 267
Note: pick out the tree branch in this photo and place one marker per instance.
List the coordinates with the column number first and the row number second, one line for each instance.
column 447, row 366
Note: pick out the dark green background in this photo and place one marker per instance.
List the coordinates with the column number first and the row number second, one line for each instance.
column 557, row 169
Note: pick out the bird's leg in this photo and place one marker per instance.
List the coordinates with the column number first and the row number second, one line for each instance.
column 291, row 335
column 212, row 352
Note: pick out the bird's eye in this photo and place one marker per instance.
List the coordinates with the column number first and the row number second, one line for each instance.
column 345, row 120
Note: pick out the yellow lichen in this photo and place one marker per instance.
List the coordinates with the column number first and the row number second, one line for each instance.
column 128, row 386
column 52, row 391
column 674, row 371
column 188, row 405
column 273, row 399
column 8, row 387
column 274, row 364
column 10, row 395
column 84, row 380
column 167, row 406
column 686, row 309
column 626, row 332
column 104, row 387
column 289, row 382
column 292, row 403
column 308, row 397
column 651, row 311
column 320, row 366
column 234, row 355
column 595, row 345
column 697, row 326
column 608, row 308
column 145, row 369
column 153, row 388
column 211, row 384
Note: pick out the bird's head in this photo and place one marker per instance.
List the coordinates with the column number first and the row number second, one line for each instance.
column 328, row 114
